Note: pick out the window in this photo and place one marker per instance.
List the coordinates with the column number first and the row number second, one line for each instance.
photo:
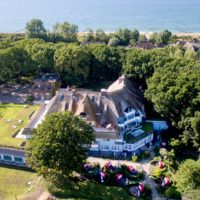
column 83, row 114
column 106, row 139
column 115, row 147
column 129, row 146
column 104, row 147
column 18, row 159
column 7, row 158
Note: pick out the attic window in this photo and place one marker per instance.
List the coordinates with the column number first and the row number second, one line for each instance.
column 128, row 109
column 83, row 114
column 137, row 114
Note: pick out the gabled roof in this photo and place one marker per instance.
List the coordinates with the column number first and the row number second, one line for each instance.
column 119, row 84
column 125, row 94
column 86, row 106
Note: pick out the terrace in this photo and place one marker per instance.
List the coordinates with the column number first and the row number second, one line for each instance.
column 136, row 135
column 14, row 117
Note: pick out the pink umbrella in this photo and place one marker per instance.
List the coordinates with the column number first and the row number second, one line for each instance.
column 118, row 176
column 161, row 164
column 108, row 164
column 167, row 180
column 131, row 168
column 141, row 187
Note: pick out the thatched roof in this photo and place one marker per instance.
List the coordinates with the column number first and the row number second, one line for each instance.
column 86, row 106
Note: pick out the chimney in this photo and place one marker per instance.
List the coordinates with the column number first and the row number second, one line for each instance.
column 103, row 92
column 121, row 79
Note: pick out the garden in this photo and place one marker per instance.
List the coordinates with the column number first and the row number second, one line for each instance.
column 162, row 172
column 126, row 177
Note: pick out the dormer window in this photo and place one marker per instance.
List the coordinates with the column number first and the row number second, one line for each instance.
column 83, row 114
column 137, row 114
column 128, row 109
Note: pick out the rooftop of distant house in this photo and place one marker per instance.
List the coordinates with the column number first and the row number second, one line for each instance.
column 48, row 77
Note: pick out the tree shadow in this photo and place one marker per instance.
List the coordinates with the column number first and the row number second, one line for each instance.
column 92, row 191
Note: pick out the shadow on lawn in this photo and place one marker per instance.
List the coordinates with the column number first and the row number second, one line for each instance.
column 92, row 191
column 20, row 168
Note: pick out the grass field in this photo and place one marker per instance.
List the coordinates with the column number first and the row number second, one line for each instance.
column 14, row 183
column 10, row 116
column 92, row 191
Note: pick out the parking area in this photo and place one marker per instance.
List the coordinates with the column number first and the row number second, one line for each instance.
column 14, row 93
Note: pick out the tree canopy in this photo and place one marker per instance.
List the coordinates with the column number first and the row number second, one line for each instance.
column 35, row 28
column 187, row 177
column 58, row 146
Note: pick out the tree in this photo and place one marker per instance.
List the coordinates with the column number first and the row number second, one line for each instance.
column 41, row 53
column 105, row 63
column 187, row 177
column 124, row 35
column 89, row 36
column 14, row 63
column 174, row 89
column 72, row 62
column 35, row 28
column 101, row 36
column 135, row 35
column 142, row 38
column 58, row 146
column 165, row 36
column 137, row 64
column 65, row 31
column 113, row 42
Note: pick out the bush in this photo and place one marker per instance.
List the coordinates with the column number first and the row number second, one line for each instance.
column 147, row 193
column 134, row 158
column 145, row 155
column 172, row 193
column 155, row 160
column 156, row 172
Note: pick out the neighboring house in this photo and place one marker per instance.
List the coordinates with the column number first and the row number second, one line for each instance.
column 12, row 156
column 45, row 86
column 145, row 45
column 116, row 114
column 192, row 45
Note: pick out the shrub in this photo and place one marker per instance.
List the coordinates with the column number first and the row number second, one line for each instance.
column 172, row 193
column 147, row 193
column 145, row 155
column 157, row 172
column 134, row 158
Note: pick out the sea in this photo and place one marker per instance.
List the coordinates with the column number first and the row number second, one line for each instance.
column 181, row 16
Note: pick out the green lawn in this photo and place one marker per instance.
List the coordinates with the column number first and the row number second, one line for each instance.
column 93, row 191
column 10, row 114
column 14, row 182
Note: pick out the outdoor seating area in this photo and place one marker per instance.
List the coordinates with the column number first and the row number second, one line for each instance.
column 123, row 176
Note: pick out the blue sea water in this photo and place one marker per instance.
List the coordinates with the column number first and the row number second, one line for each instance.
column 145, row 15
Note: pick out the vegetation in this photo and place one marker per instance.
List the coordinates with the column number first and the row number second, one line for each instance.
column 187, row 177
column 90, row 190
column 14, row 183
column 12, row 119
column 169, row 76
column 58, row 147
